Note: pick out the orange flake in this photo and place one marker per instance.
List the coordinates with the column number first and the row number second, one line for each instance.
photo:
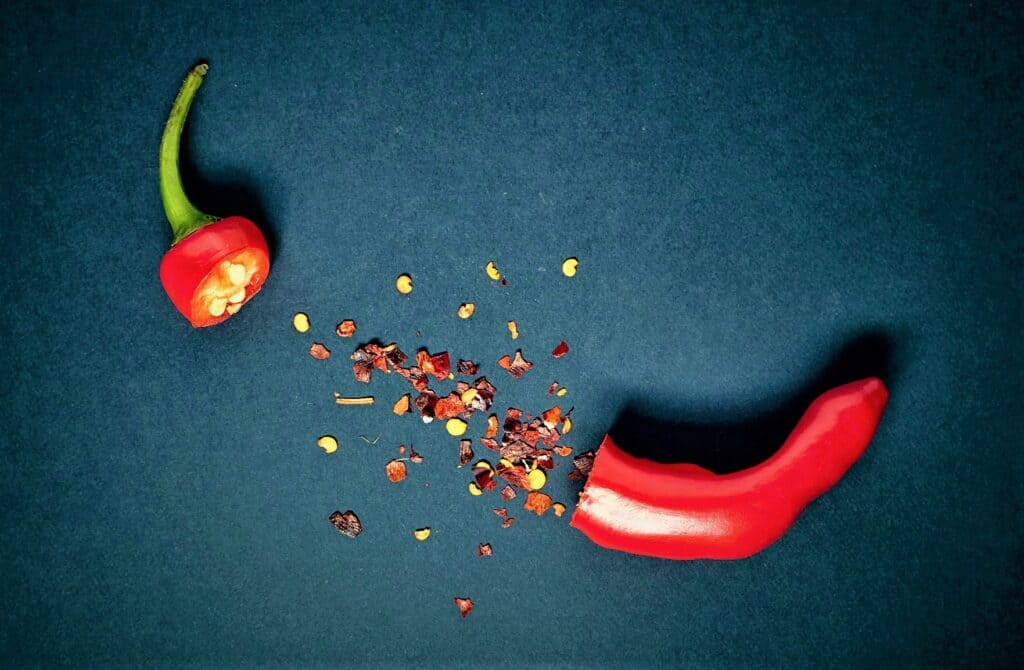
column 396, row 470
column 319, row 352
column 346, row 328
column 402, row 406
column 537, row 502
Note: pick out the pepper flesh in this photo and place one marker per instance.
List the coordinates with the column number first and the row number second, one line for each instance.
column 214, row 265
column 682, row 511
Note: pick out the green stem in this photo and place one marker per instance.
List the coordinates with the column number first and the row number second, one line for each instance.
column 183, row 215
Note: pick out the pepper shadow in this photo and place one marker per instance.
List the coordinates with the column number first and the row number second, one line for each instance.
column 745, row 439
column 227, row 193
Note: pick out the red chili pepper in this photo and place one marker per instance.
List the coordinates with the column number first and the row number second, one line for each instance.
column 682, row 511
column 214, row 265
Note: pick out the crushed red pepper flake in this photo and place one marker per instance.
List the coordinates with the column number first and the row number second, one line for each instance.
column 490, row 443
column 484, row 478
column 552, row 417
column 501, row 512
column 415, row 457
column 558, row 508
column 484, row 550
column 346, row 328
column 319, row 352
column 395, row 470
column 537, row 502
column 401, row 448
column 563, row 451
column 514, row 475
column 582, row 465
column 347, row 523
column 507, row 523
column 561, row 350
column 465, row 606
column 492, row 426
column 466, row 368
column 517, row 366
column 508, row 493
column 553, row 388
column 465, row 452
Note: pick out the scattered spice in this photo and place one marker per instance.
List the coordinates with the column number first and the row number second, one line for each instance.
column 414, row 457
column 300, row 322
column 517, row 366
column 492, row 426
column 513, row 330
column 465, row 452
column 347, row 523
column 421, row 533
column 561, row 350
column 319, row 352
column 346, row 328
column 562, row 391
column 558, row 508
column 563, row 451
column 466, row 368
column 501, row 512
column 484, row 550
column 328, row 443
column 492, row 271
column 402, row 406
column 537, row 502
column 569, row 266
column 536, row 479
column 401, row 449
column 367, row 440
column 474, row 489
column 465, row 606
column 456, row 427
column 507, row 492
column 395, row 470
column 507, row 523
column 403, row 284
column 466, row 310
column 582, row 465
column 553, row 388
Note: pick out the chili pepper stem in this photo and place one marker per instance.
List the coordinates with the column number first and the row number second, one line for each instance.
column 183, row 216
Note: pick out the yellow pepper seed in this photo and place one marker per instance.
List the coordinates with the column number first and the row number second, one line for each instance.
column 561, row 392
column 328, row 444
column 421, row 533
column 566, row 425
column 455, row 427
column 537, row 479
column 466, row 310
column 505, row 463
column 404, row 284
column 569, row 267
column 468, row 395
column 492, row 271
column 300, row 322
column 474, row 489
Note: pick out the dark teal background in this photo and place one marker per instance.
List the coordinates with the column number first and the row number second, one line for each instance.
column 751, row 191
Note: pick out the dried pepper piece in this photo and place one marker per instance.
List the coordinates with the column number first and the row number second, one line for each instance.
column 582, row 465
column 561, row 350
column 466, row 368
column 347, row 523
column 544, row 459
column 437, row 365
column 346, row 328
column 465, row 452
column 552, row 417
column 465, row 606
column 395, row 470
column 484, row 550
column 513, row 330
column 402, row 406
column 515, row 475
column 319, row 352
column 537, row 502
column 508, row 493
column 415, row 457
column 448, row 407
column 484, row 476
column 553, row 388
column 517, row 366
column 558, row 508
column 492, row 426
column 507, row 523
column 490, row 443
column 563, row 451
column 501, row 512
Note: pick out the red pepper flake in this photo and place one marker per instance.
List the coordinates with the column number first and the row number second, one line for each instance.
column 552, row 417
column 507, row 523
column 563, row 451
column 401, row 448
column 319, row 352
column 561, row 350
column 465, row 606
column 514, row 475
column 414, row 457
column 448, row 407
column 553, row 388
column 537, row 502
column 347, row 523
column 501, row 512
column 490, row 443
column 582, row 465
column 396, row 470
column 558, row 508
column 465, row 452
column 484, row 477
column 492, row 426
column 544, row 459
column 346, row 328
column 484, row 550
column 517, row 366
column 466, row 368
column 508, row 493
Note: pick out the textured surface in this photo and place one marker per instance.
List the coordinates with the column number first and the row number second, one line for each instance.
column 750, row 191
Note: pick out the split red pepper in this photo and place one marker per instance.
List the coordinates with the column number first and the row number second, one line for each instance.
column 682, row 511
column 214, row 265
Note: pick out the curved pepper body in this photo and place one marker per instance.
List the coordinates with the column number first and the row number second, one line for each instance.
column 189, row 269
column 682, row 511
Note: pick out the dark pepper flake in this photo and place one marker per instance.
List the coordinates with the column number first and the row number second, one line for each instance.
column 561, row 350
column 508, row 493
column 484, row 550
column 582, row 465
column 347, row 523
column 515, row 475
column 507, row 523
column 465, row 606
column 553, row 388
column 466, row 368
column 517, row 366
column 465, row 452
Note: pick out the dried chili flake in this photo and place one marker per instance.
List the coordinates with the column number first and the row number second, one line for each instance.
column 545, row 460
column 552, row 417
column 501, row 512
column 553, row 388
column 515, row 475
column 448, row 407
column 517, row 451
column 582, row 465
column 490, row 443
column 346, row 328
column 466, row 368
column 508, row 522
column 492, row 426
column 395, row 470
column 484, row 550
column 394, row 356
column 401, row 448
column 558, row 508
column 442, row 366
column 561, row 350
column 465, row 452
column 563, row 451
column 402, row 406
column 484, row 477
column 415, row 457
column 519, row 366
column 508, row 493
column 347, row 523
column 319, row 352
column 505, row 362
column 537, row 502
column 465, row 606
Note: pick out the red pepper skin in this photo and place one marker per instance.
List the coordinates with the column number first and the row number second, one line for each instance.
column 186, row 265
column 682, row 511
